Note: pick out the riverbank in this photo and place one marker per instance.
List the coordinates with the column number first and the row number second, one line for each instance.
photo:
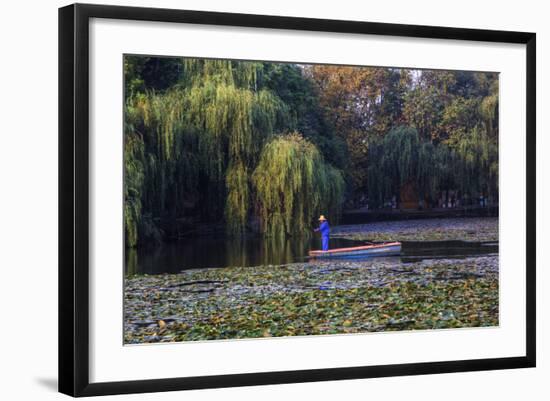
column 476, row 229
column 364, row 215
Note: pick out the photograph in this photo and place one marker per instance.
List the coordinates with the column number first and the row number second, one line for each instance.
column 273, row 199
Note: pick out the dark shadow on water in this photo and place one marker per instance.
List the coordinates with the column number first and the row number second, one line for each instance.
column 214, row 252
column 415, row 251
column 201, row 252
column 49, row 383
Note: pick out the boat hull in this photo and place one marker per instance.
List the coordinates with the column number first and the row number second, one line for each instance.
column 376, row 250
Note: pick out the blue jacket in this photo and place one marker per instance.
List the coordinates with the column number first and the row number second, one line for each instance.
column 324, row 228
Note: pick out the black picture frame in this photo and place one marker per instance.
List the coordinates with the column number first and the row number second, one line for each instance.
column 74, row 198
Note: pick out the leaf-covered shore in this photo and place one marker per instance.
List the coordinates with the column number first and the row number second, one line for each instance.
column 311, row 299
column 476, row 229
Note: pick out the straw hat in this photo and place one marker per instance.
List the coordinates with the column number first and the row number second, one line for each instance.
column 322, row 218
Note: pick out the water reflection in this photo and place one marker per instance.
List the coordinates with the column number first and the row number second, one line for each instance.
column 221, row 252
column 204, row 252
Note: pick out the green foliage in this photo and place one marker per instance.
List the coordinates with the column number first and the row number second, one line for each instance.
column 400, row 156
column 394, row 160
column 238, row 197
column 293, row 184
column 201, row 140
column 455, row 115
column 150, row 73
column 469, row 165
column 423, row 108
column 459, row 118
column 478, row 171
column 133, row 184
column 361, row 104
column 489, row 112
column 196, row 131
column 292, row 84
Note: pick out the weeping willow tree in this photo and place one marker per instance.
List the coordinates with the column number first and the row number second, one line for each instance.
column 393, row 161
column 207, row 142
column 293, row 184
column 133, row 185
column 428, row 169
column 469, row 166
column 199, row 143
column 203, row 137
column 478, row 170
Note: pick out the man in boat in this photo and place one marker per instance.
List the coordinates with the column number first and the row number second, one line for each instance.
column 325, row 231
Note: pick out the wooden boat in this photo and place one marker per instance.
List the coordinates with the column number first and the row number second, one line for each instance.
column 385, row 249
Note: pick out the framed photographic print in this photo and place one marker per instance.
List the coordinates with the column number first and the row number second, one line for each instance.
column 261, row 199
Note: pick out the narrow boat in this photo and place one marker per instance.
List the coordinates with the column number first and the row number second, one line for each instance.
column 385, row 249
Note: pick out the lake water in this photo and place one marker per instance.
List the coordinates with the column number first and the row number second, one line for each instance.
column 212, row 252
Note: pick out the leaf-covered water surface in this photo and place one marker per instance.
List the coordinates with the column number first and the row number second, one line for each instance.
column 312, row 298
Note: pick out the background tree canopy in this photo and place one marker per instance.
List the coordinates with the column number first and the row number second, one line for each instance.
column 267, row 147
